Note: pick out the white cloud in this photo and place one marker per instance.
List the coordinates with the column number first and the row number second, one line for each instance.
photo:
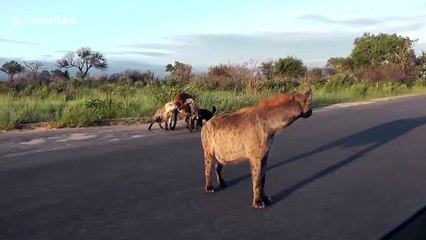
column 12, row 41
column 141, row 53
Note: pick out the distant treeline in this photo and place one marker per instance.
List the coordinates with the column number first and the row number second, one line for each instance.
column 374, row 58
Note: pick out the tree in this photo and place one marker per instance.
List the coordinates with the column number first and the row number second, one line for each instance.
column 138, row 76
column 44, row 76
column 267, row 69
column 421, row 63
column 235, row 75
column 11, row 69
column 84, row 61
column 314, row 75
column 372, row 50
column 33, row 67
column 59, row 75
column 340, row 64
column 289, row 67
column 220, row 71
column 180, row 71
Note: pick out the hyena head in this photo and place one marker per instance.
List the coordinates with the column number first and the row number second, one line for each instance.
column 305, row 100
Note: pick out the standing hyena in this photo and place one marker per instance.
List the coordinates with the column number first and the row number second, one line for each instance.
column 248, row 134
column 167, row 114
column 188, row 107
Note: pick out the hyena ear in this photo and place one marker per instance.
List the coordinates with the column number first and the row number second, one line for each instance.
column 307, row 96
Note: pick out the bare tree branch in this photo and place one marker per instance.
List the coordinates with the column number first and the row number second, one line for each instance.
column 84, row 61
column 34, row 67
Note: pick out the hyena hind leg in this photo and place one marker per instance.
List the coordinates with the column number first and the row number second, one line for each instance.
column 156, row 120
column 219, row 178
column 208, row 162
column 166, row 123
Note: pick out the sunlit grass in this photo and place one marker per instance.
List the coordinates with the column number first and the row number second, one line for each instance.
column 91, row 105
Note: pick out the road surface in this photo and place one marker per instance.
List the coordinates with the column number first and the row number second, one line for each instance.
column 345, row 173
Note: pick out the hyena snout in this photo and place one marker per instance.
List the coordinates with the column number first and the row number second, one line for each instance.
column 307, row 114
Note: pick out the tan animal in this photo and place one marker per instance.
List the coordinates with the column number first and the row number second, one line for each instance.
column 248, row 134
column 188, row 107
column 167, row 114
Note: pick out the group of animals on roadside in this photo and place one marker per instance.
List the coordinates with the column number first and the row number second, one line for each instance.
column 186, row 106
column 246, row 134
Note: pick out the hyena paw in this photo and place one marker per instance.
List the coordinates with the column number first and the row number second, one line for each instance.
column 222, row 184
column 258, row 204
column 209, row 189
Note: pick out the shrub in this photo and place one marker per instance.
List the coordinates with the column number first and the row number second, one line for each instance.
column 77, row 116
column 421, row 82
column 383, row 73
column 204, row 84
column 361, row 89
column 282, row 86
column 337, row 82
column 9, row 119
column 393, row 87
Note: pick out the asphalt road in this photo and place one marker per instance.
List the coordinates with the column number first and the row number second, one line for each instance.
column 345, row 173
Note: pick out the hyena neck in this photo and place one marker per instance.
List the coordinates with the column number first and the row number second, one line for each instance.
column 279, row 117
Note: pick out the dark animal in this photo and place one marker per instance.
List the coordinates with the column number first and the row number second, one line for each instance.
column 205, row 114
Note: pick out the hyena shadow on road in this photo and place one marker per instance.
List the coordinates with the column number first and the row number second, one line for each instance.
column 373, row 138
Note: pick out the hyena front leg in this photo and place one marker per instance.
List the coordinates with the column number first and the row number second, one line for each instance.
column 266, row 199
column 258, row 169
column 150, row 125
column 208, row 162
column 170, row 122
column 166, row 123
column 159, row 123
column 174, row 119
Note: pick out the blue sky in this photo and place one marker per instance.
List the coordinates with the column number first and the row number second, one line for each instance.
column 201, row 33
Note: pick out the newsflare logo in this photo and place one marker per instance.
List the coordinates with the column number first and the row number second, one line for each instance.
column 53, row 20
column 17, row 20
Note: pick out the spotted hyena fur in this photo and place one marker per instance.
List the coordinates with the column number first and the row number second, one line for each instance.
column 248, row 134
column 167, row 114
column 188, row 108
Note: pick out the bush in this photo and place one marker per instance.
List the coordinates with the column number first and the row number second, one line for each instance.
column 421, row 82
column 383, row 73
column 9, row 119
column 92, row 101
column 392, row 87
column 337, row 82
column 361, row 89
column 282, row 86
column 165, row 91
column 77, row 116
column 204, row 84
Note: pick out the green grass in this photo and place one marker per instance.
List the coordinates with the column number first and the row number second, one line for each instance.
column 89, row 106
